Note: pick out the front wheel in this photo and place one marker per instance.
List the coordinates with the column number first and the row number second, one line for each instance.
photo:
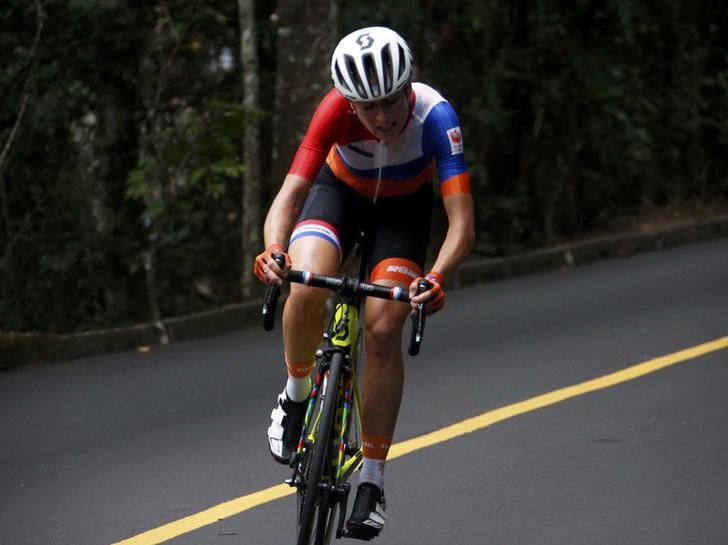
column 317, row 506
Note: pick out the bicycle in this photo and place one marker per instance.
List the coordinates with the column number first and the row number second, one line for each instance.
column 328, row 450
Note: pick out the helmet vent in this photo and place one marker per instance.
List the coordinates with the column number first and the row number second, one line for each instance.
column 370, row 71
column 340, row 78
column 387, row 70
column 402, row 66
column 354, row 75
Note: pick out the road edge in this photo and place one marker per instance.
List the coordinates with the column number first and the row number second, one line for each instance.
column 20, row 349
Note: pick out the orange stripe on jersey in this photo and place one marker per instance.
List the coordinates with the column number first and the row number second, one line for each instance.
column 396, row 269
column 460, row 183
column 367, row 186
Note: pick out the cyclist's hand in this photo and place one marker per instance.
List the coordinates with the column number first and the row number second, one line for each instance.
column 434, row 297
column 267, row 270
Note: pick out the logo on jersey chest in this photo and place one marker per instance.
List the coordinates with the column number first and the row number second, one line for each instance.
column 360, row 151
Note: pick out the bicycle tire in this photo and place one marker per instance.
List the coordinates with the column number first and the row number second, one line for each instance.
column 315, row 503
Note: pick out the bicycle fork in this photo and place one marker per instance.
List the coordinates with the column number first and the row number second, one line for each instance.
column 336, row 489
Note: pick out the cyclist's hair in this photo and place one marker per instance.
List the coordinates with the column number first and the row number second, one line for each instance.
column 371, row 64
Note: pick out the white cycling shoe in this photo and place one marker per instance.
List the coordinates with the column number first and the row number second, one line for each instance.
column 285, row 428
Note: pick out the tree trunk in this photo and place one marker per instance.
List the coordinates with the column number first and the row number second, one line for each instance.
column 153, row 144
column 251, row 202
column 307, row 35
column 9, row 276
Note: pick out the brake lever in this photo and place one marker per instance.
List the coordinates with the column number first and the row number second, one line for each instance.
column 418, row 320
column 270, row 301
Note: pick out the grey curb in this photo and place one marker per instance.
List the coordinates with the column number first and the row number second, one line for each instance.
column 595, row 249
column 34, row 348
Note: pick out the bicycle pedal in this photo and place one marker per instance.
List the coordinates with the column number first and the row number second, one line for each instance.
column 342, row 493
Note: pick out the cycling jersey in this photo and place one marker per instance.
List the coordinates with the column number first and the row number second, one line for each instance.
column 430, row 140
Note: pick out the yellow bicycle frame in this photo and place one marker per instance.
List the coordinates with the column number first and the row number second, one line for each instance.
column 343, row 333
column 346, row 327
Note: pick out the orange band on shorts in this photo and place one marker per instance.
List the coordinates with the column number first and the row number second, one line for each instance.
column 375, row 446
column 397, row 269
column 300, row 369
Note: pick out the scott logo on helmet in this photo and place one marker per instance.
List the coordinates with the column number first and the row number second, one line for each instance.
column 365, row 43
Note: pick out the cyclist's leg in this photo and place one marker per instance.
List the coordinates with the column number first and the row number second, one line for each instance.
column 383, row 378
column 381, row 396
column 400, row 247
column 303, row 314
column 316, row 246
column 398, row 255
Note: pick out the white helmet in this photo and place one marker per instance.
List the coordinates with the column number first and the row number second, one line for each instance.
column 370, row 64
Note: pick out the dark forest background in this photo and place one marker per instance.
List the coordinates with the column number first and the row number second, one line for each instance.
column 141, row 142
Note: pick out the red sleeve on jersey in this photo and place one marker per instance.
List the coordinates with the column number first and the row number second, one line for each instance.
column 325, row 128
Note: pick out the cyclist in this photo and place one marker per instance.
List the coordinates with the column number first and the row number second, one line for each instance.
column 368, row 159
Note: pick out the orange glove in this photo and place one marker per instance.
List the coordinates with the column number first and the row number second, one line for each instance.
column 436, row 298
column 437, row 301
column 262, row 261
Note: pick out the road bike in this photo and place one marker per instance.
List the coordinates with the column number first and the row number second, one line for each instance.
column 329, row 448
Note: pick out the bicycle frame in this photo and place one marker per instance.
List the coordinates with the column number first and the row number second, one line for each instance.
column 322, row 468
column 342, row 341
column 342, row 336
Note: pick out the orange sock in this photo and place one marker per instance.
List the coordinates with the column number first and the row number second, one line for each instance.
column 375, row 446
column 300, row 369
column 374, row 450
column 298, row 385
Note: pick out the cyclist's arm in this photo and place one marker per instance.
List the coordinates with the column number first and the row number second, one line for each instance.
column 444, row 137
column 460, row 234
column 285, row 209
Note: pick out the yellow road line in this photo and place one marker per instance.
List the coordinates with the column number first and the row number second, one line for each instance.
column 498, row 415
column 208, row 516
column 243, row 503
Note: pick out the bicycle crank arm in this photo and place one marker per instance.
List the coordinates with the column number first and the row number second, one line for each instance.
column 342, row 493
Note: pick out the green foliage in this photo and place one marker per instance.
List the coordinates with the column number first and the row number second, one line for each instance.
column 187, row 177
column 188, row 184
column 114, row 96
column 576, row 115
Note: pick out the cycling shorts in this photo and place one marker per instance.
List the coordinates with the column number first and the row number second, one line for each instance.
column 397, row 228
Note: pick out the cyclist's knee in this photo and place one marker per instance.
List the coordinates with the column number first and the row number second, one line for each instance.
column 307, row 300
column 384, row 326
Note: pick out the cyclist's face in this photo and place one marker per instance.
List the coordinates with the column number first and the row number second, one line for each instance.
column 384, row 118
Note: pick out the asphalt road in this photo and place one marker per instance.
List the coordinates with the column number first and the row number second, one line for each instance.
column 99, row 450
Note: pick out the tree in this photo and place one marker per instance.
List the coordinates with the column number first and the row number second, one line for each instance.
column 124, row 139
column 307, row 34
column 27, row 69
column 251, row 186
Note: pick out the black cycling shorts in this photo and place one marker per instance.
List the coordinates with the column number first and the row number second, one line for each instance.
column 397, row 228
